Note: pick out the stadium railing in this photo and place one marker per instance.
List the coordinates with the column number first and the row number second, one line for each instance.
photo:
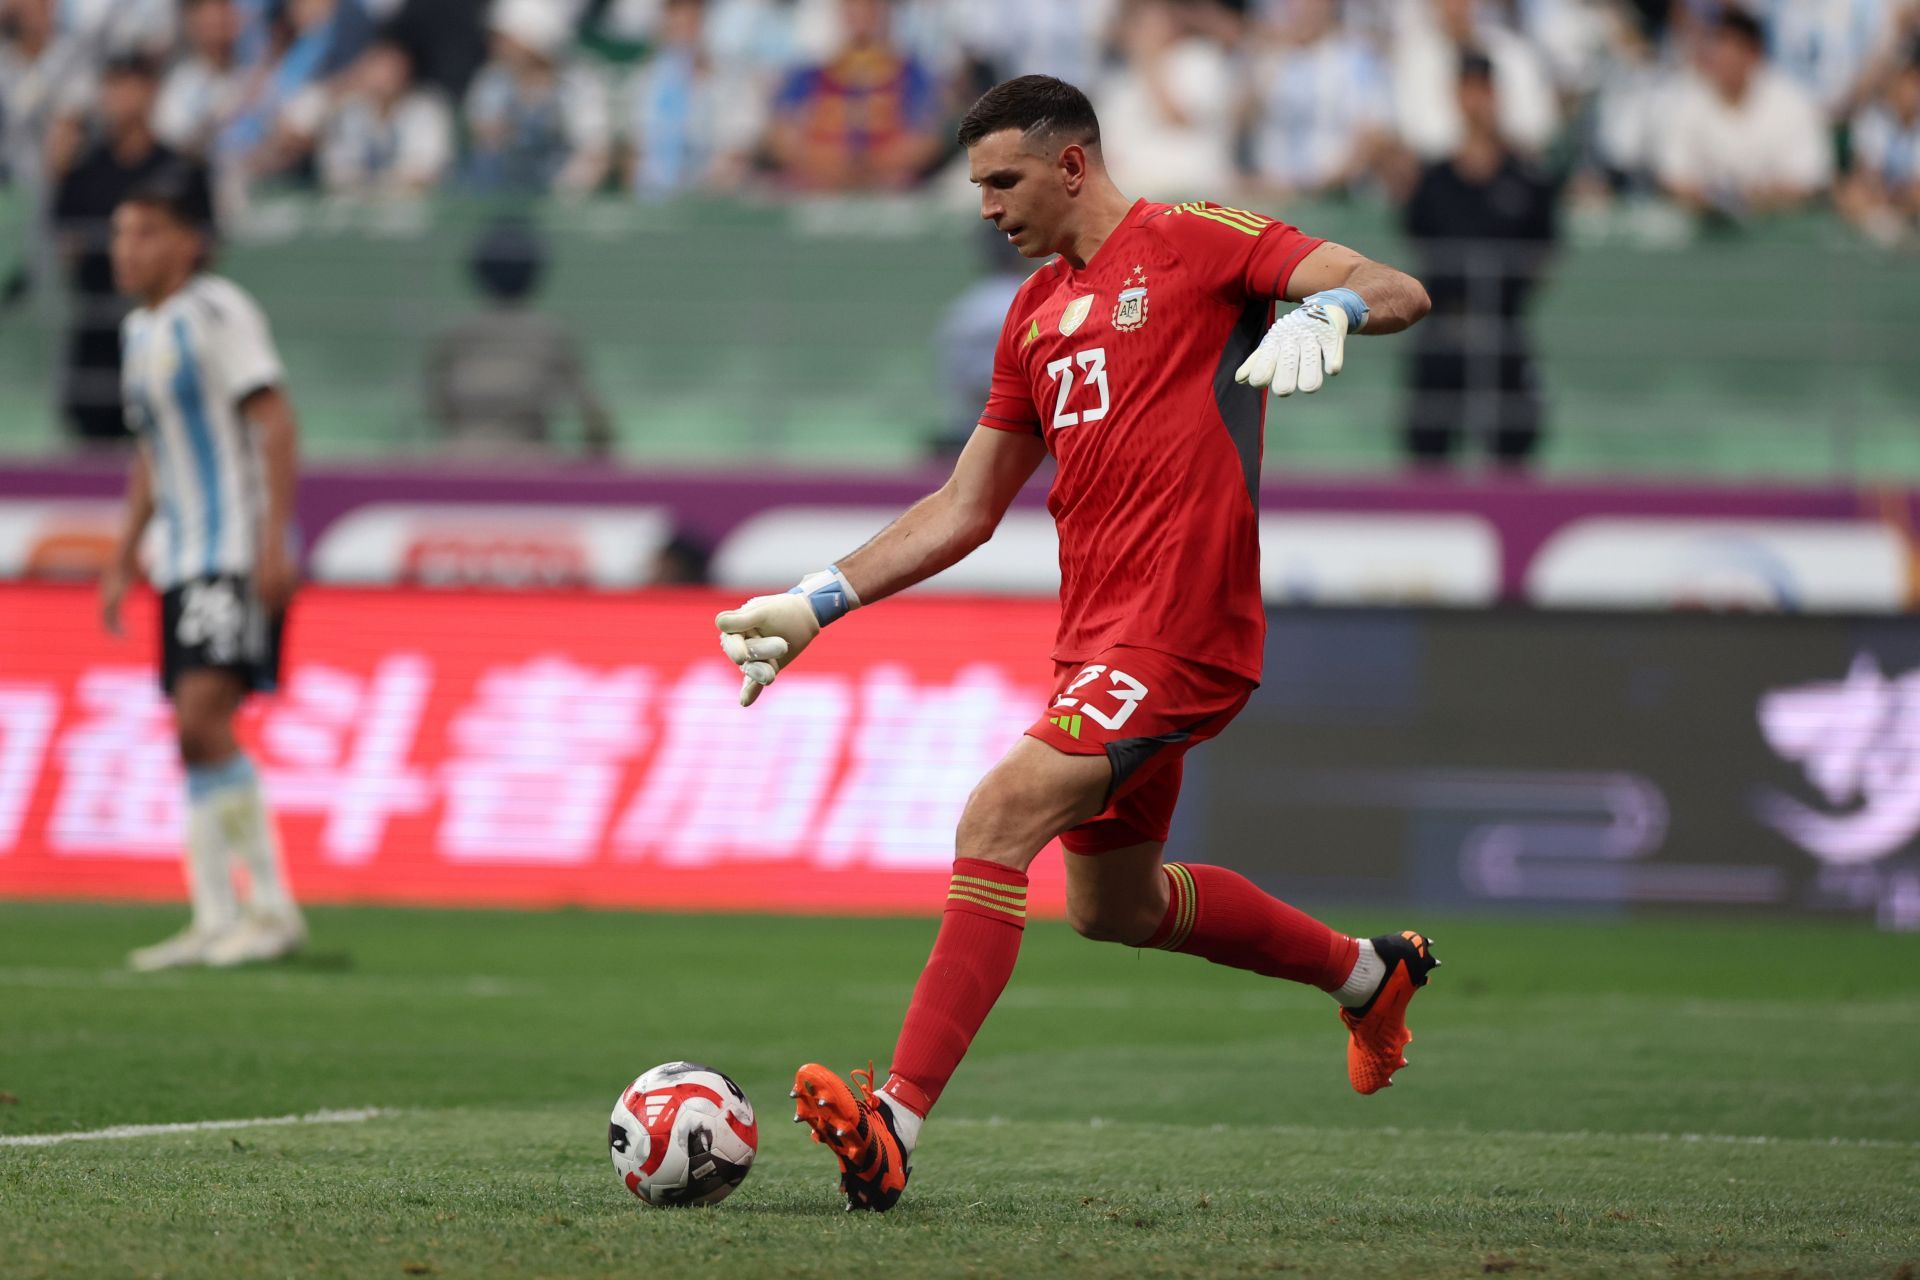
column 802, row 335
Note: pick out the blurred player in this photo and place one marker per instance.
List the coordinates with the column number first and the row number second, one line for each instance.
column 1140, row 358
column 202, row 385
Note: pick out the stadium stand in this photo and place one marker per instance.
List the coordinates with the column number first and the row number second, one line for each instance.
column 803, row 334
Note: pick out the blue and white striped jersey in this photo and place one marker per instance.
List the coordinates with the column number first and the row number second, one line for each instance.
column 188, row 364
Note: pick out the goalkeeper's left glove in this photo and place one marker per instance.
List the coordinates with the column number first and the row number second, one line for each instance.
column 767, row 633
column 1304, row 343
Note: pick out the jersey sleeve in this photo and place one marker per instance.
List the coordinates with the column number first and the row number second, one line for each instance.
column 1010, row 404
column 243, row 349
column 1236, row 255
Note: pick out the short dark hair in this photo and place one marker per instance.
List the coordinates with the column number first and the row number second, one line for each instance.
column 1032, row 104
column 131, row 62
column 1475, row 65
column 508, row 259
column 179, row 193
column 1742, row 24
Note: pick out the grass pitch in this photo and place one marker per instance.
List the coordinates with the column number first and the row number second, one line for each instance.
column 1585, row 1099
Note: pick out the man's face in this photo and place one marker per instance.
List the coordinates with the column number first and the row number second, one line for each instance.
column 1903, row 95
column 149, row 249
column 33, row 19
column 521, row 59
column 1311, row 20
column 1727, row 61
column 1479, row 106
column 126, row 100
column 681, row 22
column 1455, row 18
column 383, row 74
column 1024, row 195
column 864, row 21
column 212, row 27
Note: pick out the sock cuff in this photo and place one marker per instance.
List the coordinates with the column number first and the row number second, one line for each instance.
column 205, row 779
column 907, row 1094
column 1343, row 956
column 1183, row 899
column 988, row 890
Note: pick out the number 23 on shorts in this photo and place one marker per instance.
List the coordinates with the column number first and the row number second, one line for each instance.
column 1121, row 687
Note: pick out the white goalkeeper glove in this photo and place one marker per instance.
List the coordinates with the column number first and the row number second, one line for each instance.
column 764, row 635
column 1305, row 344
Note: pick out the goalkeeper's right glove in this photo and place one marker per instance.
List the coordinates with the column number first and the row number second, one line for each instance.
column 764, row 635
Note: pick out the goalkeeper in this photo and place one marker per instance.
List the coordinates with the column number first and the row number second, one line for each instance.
column 1140, row 356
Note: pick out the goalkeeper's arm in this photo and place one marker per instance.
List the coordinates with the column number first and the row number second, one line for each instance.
column 1393, row 300
column 1340, row 292
column 768, row 632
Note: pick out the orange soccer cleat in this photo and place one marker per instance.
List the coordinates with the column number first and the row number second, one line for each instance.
column 1377, row 1030
column 859, row 1129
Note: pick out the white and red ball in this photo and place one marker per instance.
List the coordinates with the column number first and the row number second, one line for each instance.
column 683, row 1134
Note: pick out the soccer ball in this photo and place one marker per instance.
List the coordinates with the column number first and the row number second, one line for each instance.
column 683, row 1134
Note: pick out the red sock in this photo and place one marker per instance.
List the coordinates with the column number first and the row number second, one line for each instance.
column 972, row 959
column 1220, row 916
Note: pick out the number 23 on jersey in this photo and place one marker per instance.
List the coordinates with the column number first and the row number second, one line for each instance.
column 1092, row 366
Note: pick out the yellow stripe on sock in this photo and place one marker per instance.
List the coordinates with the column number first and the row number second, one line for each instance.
column 1180, row 885
column 1014, row 894
column 968, row 896
column 1187, row 902
column 1018, row 905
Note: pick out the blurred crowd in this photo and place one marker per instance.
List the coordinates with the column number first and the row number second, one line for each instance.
column 1477, row 119
column 1801, row 100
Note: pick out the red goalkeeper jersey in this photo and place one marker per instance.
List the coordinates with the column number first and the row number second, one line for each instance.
column 1125, row 368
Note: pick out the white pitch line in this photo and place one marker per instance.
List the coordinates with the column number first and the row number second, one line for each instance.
column 193, row 1126
column 479, row 986
column 1529, row 1135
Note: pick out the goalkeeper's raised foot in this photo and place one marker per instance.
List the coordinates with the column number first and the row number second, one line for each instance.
column 1377, row 1035
column 859, row 1129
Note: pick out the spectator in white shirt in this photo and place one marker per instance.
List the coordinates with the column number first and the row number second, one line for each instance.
column 1171, row 103
column 44, row 77
column 206, row 88
column 1317, row 101
column 1624, row 120
column 1882, row 194
column 536, row 121
column 1740, row 137
column 1430, row 38
column 382, row 136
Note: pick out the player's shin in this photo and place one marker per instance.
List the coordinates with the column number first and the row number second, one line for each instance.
column 1220, row 915
column 973, row 957
column 249, row 827
column 209, row 866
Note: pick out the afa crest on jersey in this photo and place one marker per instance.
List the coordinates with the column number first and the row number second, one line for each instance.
column 1130, row 312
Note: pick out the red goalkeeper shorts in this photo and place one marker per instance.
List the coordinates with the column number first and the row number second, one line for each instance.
column 1143, row 710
